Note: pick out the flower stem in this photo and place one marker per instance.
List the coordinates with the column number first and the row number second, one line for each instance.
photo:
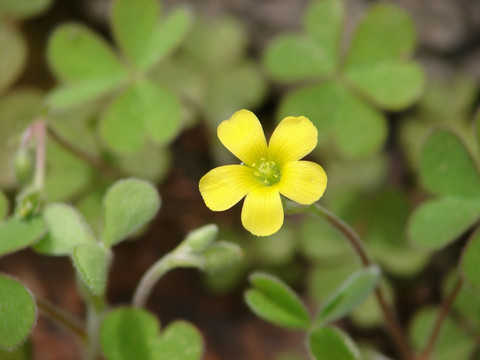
column 39, row 129
column 445, row 309
column 355, row 241
column 62, row 318
column 160, row 268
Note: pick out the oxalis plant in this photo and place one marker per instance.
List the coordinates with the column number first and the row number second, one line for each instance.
column 81, row 165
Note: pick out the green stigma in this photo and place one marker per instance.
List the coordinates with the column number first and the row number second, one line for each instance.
column 267, row 171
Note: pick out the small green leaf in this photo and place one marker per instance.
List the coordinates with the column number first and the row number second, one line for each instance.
column 436, row 223
column 328, row 343
column 16, row 234
column 391, row 85
column 324, row 22
column 128, row 205
column 92, row 262
column 19, row 9
column 129, row 333
column 385, row 33
column 470, row 263
column 291, row 57
column 3, row 205
column 18, row 313
column 69, row 56
column 221, row 256
column 133, row 35
column 66, row 230
column 273, row 301
column 349, row 294
column 447, row 168
column 179, row 341
column 14, row 54
column 142, row 110
column 167, row 37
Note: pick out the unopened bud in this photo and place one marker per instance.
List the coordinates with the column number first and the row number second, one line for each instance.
column 222, row 255
column 199, row 239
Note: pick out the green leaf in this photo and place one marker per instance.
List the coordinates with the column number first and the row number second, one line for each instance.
column 17, row 313
column 217, row 43
column 142, row 110
column 470, row 263
column 133, row 35
column 128, row 205
column 70, row 56
column 391, row 85
column 328, row 343
column 119, row 342
column 349, row 294
column 324, row 22
column 358, row 128
column 16, row 234
column 385, row 33
column 92, row 262
column 19, row 9
column 67, row 175
column 179, row 341
column 436, row 223
column 241, row 87
column 291, row 57
column 67, row 96
column 453, row 341
column 66, row 230
column 447, row 168
column 3, row 205
column 14, row 54
column 167, row 37
column 273, row 301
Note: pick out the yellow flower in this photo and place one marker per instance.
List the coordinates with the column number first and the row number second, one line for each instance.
column 265, row 172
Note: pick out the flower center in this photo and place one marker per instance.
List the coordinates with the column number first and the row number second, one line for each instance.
column 268, row 171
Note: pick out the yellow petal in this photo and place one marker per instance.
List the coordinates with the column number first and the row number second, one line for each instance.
column 303, row 182
column 262, row 212
column 223, row 187
column 293, row 138
column 243, row 135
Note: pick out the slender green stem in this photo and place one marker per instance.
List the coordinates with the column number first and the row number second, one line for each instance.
column 355, row 241
column 97, row 163
column 62, row 318
column 160, row 268
column 442, row 315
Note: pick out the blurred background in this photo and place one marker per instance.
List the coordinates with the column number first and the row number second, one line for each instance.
column 218, row 68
